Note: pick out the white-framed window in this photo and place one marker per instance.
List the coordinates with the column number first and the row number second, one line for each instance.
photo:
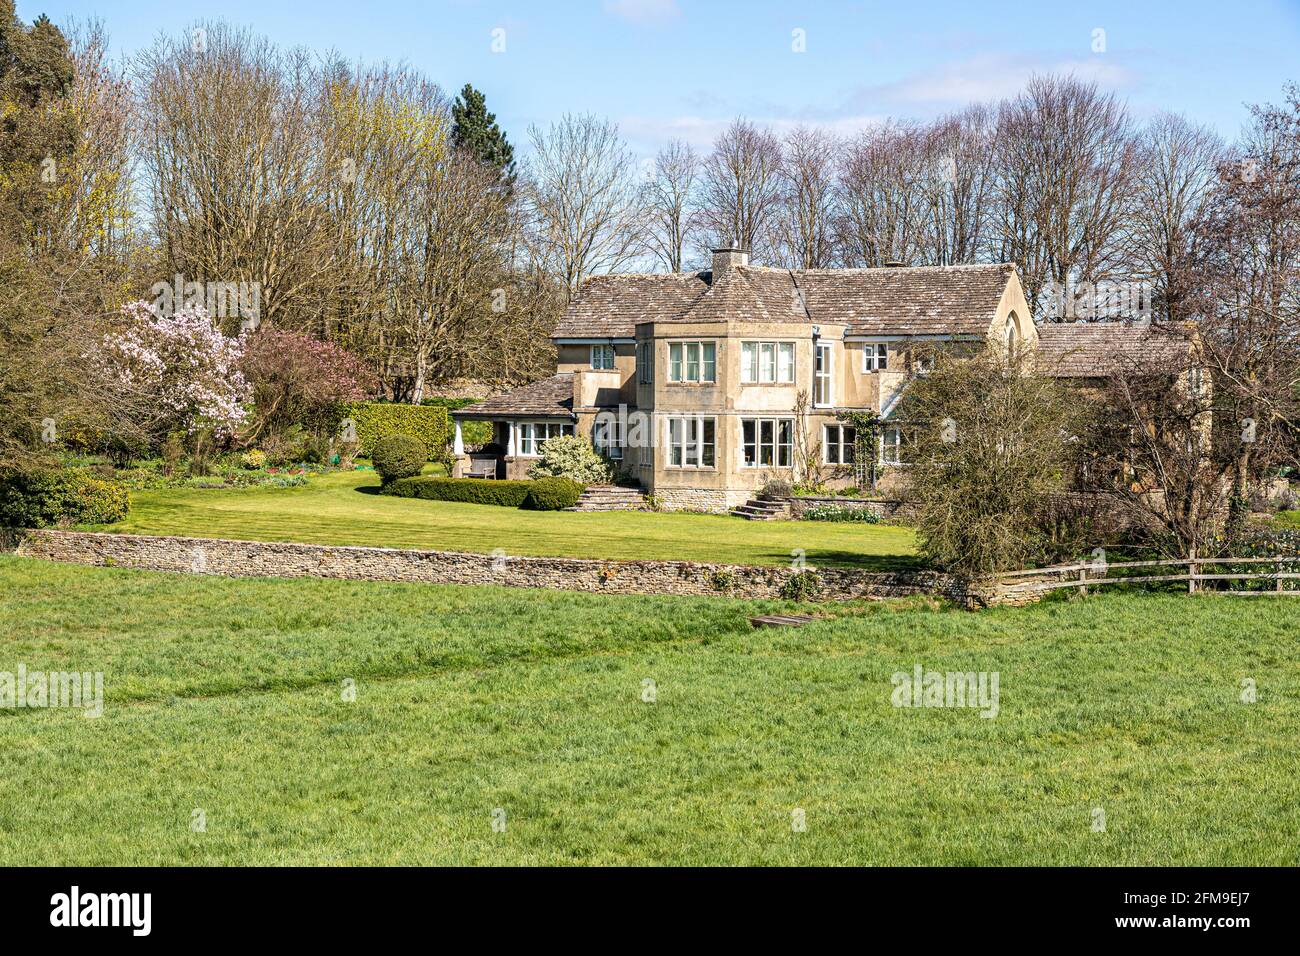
column 602, row 356
column 767, row 442
column 837, row 444
column 891, row 445
column 692, row 442
column 766, row 363
column 875, row 357
column 607, row 436
column 533, row 434
column 645, row 362
column 692, row 362
column 822, row 391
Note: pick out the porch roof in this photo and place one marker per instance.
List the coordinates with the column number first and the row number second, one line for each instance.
column 546, row 398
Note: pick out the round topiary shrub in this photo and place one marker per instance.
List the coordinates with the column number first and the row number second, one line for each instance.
column 398, row 456
column 552, row 494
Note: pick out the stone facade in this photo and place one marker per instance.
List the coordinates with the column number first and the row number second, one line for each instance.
column 290, row 560
column 882, row 508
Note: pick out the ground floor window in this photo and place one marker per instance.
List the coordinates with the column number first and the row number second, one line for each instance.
column 837, row 444
column 891, row 444
column 533, row 434
column 691, row 442
column 768, row 442
column 607, row 436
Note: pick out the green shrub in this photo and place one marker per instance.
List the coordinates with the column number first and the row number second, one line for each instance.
column 553, row 494
column 572, row 457
column 840, row 513
column 375, row 420
column 398, row 456
column 476, row 491
column 41, row 498
column 802, row 586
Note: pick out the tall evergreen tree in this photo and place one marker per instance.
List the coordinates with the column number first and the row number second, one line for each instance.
column 477, row 132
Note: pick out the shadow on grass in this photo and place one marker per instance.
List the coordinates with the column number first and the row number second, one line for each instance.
column 861, row 562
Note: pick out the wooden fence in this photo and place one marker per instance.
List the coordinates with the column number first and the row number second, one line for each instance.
column 1089, row 574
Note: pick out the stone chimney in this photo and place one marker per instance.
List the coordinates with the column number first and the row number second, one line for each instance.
column 727, row 258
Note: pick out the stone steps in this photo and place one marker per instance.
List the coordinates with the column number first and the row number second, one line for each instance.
column 762, row 509
column 610, row 498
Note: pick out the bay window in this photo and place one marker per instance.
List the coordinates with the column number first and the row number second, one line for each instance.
column 692, row 362
column 602, row 356
column 691, row 442
column 822, row 376
column 607, row 436
column 766, row 363
column 891, row 444
column 645, row 362
column 767, row 442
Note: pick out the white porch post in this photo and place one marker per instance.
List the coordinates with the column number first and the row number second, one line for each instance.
column 458, row 442
column 510, row 441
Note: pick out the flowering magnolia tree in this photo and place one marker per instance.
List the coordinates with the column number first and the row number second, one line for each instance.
column 177, row 372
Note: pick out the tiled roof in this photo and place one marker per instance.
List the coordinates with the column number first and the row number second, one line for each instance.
column 610, row 306
column 1097, row 349
column 546, row 398
column 925, row 300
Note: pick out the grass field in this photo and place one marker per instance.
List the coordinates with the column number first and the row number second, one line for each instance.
column 226, row 696
column 344, row 509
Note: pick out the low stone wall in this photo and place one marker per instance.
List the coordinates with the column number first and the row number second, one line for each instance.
column 283, row 559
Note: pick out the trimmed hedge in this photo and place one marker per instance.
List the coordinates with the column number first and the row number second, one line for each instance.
column 376, row 420
column 42, row 498
column 477, row 491
column 398, row 456
column 553, row 494
column 473, row 432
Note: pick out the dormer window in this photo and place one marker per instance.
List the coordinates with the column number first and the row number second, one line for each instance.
column 602, row 356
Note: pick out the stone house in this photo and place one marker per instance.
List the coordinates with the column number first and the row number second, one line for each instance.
column 705, row 386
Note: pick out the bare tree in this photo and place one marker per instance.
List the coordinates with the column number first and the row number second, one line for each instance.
column 583, row 197
column 1176, row 172
column 885, row 184
column 741, row 188
column 805, row 219
column 670, row 204
column 959, row 149
column 1066, row 159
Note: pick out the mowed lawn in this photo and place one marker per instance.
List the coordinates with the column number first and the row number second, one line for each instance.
column 226, row 696
column 344, row 509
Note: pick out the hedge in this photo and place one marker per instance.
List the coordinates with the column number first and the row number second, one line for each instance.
column 553, row 494
column 376, row 420
column 478, row 491
column 472, row 432
column 41, row 498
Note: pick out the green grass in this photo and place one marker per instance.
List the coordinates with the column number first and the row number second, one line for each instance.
column 344, row 509
column 224, row 695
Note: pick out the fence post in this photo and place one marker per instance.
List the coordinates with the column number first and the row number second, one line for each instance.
column 1191, row 577
column 1279, row 576
column 1083, row 577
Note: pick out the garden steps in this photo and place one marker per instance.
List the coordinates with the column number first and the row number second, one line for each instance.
column 762, row 508
column 610, row 498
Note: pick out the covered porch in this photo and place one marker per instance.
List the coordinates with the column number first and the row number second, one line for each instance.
column 521, row 421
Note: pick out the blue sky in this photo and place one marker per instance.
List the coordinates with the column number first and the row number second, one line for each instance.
column 664, row 68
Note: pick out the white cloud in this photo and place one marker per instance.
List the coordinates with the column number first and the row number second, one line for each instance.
column 991, row 77
column 644, row 11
